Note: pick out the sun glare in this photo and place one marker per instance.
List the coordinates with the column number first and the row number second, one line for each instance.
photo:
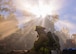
column 38, row 9
column 41, row 10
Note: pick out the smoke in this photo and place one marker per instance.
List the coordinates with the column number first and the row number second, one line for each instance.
column 7, row 28
column 39, row 7
column 66, row 24
column 36, row 7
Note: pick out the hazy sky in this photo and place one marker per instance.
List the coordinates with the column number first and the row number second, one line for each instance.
column 65, row 8
column 68, row 14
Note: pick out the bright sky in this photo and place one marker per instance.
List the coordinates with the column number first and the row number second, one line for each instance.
column 65, row 8
column 39, row 7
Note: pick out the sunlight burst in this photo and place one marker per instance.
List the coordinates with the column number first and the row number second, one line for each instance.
column 40, row 8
